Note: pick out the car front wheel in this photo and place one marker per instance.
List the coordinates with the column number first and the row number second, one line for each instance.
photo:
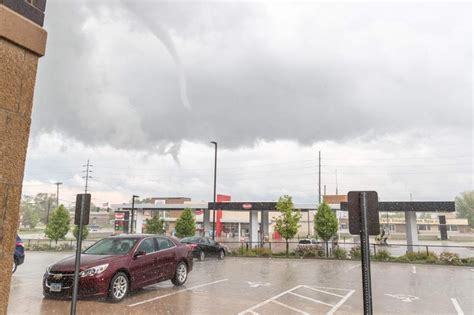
column 119, row 286
column 202, row 255
column 181, row 274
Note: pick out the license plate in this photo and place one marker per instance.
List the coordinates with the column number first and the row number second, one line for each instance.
column 55, row 287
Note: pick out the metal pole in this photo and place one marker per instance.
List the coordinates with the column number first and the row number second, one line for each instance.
column 319, row 199
column 78, row 259
column 57, row 193
column 309, row 233
column 133, row 214
column 365, row 253
column 214, row 204
column 47, row 215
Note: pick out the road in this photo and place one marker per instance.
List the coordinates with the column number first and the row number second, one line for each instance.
column 268, row 286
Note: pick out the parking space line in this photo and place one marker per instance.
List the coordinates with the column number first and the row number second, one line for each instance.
column 457, row 306
column 267, row 301
column 305, row 297
column 289, row 307
column 334, row 309
column 173, row 293
column 414, row 269
column 330, row 293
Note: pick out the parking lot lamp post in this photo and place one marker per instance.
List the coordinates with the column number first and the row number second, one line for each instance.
column 214, row 196
column 133, row 212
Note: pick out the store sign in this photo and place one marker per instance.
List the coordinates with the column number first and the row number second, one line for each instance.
column 247, row 206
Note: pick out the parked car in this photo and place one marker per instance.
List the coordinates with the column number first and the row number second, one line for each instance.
column 204, row 246
column 118, row 264
column 19, row 254
column 94, row 227
column 307, row 243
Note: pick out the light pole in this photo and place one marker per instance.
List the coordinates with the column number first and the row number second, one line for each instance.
column 133, row 212
column 214, row 196
column 57, row 193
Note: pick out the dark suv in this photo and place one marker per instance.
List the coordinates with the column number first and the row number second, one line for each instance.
column 19, row 254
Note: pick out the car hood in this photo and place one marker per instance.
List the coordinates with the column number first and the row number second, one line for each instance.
column 87, row 261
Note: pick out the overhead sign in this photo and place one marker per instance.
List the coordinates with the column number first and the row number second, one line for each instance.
column 354, row 205
column 85, row 211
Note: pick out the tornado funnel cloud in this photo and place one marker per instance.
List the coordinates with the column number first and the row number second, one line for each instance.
column 162, row 35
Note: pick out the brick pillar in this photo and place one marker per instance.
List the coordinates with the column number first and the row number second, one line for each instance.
column 22, row 42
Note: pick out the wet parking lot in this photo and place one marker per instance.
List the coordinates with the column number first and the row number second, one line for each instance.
column 268, row 286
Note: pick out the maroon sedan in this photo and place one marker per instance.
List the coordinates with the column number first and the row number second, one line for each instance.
column 115, row 265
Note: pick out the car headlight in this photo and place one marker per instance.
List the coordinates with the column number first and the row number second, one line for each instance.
column 48, row 269
column 93, row 271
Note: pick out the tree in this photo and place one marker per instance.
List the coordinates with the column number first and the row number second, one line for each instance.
column 325, row 223
column 155, row 225
column 58, row 225
column 41, row 203
column 185, row 224
column 85, row 231
column 287, row 223
column 30, row 216
column 465, row 207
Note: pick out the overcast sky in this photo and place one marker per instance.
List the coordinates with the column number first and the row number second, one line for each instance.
column 384, row 90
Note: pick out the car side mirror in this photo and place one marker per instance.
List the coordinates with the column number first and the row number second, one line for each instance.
column 139, row 253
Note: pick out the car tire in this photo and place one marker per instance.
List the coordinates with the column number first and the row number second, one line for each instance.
column 119, row 287
column 221, row 254
column 15, row 265
column 202, row 256
column 181, row 274
column 47, row 295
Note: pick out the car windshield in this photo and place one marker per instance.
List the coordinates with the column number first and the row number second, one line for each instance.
column 111, row 246
column 191, row 240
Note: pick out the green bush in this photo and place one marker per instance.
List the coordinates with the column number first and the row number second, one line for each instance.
column 468, row 261
column 383, row 255
column 355, row 252
column 402, row 259
column 340, row 253
column 262, row 252
column 422, row 256
column 309, row 251
column 450, row 258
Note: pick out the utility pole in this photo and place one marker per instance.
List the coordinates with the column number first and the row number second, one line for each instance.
column 87, row 176
column 336, row 184
column 319, row 198
column 49, row 208
column 57, row 193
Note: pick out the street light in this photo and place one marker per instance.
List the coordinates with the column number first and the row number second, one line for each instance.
column 214, row 196
column 57, row 193
column 133, row 212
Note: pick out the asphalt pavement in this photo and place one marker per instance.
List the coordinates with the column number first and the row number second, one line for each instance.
column 267, row 286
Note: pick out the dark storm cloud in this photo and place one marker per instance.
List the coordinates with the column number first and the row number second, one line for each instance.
column 305, row 72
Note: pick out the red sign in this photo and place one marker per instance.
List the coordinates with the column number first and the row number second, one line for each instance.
column 247, row 206
column 119, row 215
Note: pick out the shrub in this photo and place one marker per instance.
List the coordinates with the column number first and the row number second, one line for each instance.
column 402, row 259
column 262, row 252
column 355, row 252
column 309, row 251
column 468, row 261
column 422, row 256
column 450, row 258
column 340, row 253
column 382, row 255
